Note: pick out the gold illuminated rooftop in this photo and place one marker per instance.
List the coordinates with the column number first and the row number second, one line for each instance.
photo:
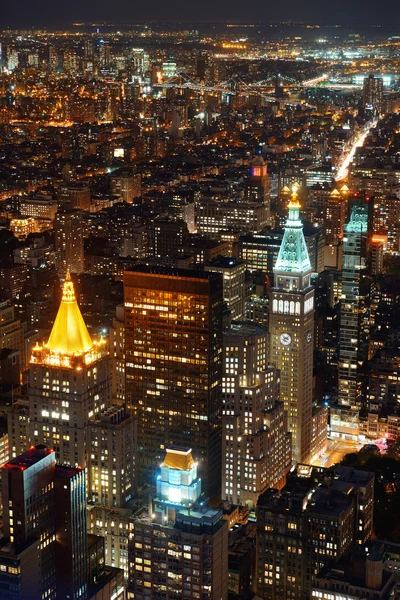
column 69, row 334
column 69, row 344
column 294, row 200
column 179, row 459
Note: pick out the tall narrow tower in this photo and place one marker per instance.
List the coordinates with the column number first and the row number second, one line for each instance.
column 258, row 186
column 292, row 330
column 353, row 311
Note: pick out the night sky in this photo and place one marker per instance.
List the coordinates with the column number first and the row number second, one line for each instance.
column 25, row 13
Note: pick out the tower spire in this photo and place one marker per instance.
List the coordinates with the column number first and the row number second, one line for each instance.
column 69, row 334
column 293, row 254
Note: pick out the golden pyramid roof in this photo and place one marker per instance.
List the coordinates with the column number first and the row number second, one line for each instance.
column 69, row 334
column 178, row 459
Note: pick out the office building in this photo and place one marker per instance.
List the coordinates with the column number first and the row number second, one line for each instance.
column 105, row 582
column 233, row 272
column 257, row 187
column 214, row 216
column 373, row 94
column 291, row 330
column 69, row 384
column 111, row 457
column 74, row 196
column 173, row 349
column 12, row 331
column 256, row 447
column 353, row 316
column 254, row 251
column 179, row 546
column 117, row 356
column 38, row 208
column 315, row 518
column 126, row 187
column 114, row 525
column 334, row 218
column 361, row 576
column 69, row 241
column 45, row 516
column 104, row 55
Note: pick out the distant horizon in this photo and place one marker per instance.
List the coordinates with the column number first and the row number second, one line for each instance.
column 92, row 23
column 45, row 13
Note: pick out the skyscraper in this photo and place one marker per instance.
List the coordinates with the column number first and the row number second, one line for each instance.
column 353, row 324
column 69, row 383
column 45, row 502
column 258, row 186
column 234, row 287
column 256, row 445
column 112, row 449
column 373, row 93
column 173, row 347
column 315, row 519
column 179, row 546
column 69, row 241
column 292, row 331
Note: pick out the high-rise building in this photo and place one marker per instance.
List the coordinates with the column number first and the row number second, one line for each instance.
column 233, row 272
column 74, row 196
column 214, row 216
column 257, row 448
column 317, row 517
column 111, row 457
column 173, row 349
column 69, row 241
column 12, row 331
column 334, row 218
column 373, row 93
column 353, row 321
column 44, row 517
column 179, row 546
column 88, row 49
column 115, row 526
column 117, row 352
column 257, row 188
column 104, row 55
column 127, row 187
column 291, row 327
column 69, row 384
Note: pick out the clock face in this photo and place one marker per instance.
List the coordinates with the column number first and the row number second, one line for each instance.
column 285, row 339
column 309, row 337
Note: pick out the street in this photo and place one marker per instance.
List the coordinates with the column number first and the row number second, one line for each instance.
column 336, row 449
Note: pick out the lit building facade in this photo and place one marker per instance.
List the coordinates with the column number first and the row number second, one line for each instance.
column 233, row 273
column 173, row 349
column 315, row 519
column 353, row 321
column 256, row 447
column 213, row 216
column 111, row 457
column 69, row 384
column 291, row 320
column 373, row 93
column 34, row 485
column 334, row 218
column 69, row 241
column 258, row 187
column 179, row 546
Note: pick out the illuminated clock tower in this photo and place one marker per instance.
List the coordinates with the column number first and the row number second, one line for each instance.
column 291, row 329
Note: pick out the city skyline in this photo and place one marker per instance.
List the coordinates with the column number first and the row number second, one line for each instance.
column 200, row 304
